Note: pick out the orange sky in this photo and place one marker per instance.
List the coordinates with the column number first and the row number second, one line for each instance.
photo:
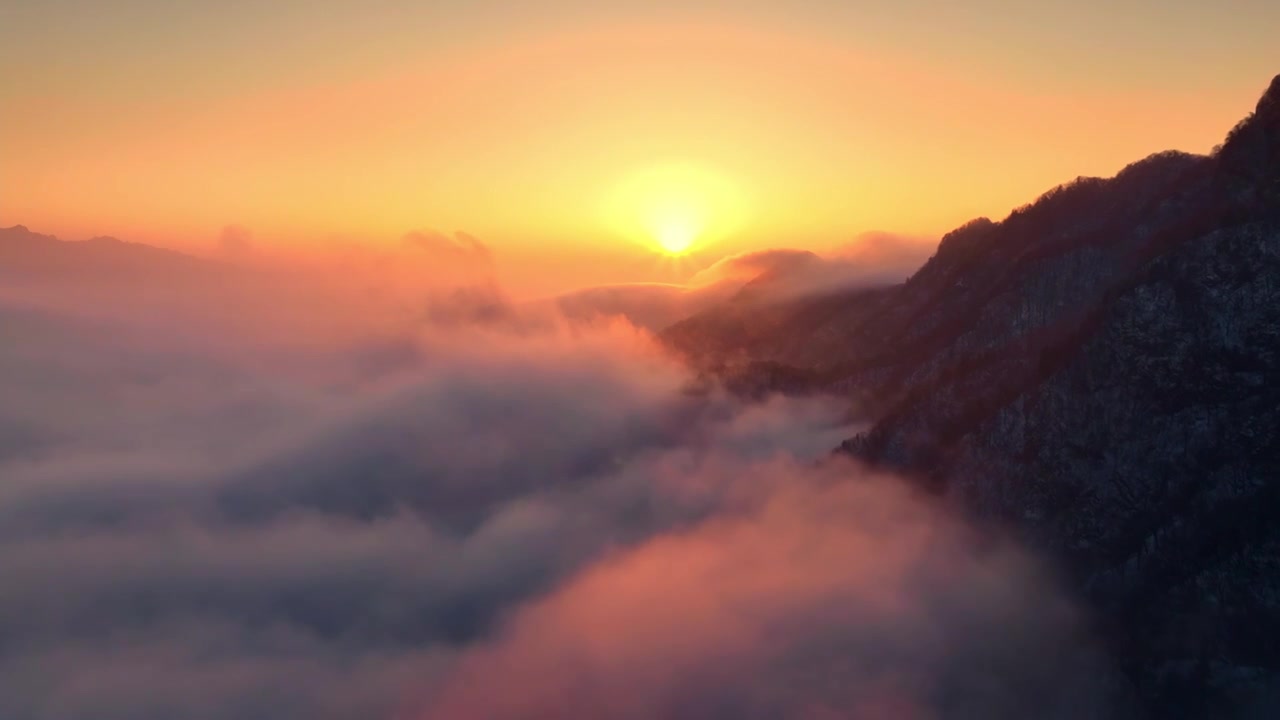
column 568, row 134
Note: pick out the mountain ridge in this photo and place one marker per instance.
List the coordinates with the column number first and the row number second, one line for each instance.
column 26, row 254
column 1100, row 373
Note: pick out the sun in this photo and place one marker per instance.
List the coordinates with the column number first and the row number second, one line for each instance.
column 675, row 238
column 675, row 221
column 675, row 208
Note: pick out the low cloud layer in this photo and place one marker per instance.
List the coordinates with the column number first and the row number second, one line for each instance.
column 763, row 276
column 874, row 258
column 460, row 248
column 652, row 306
column 512, row 518
column 813, row 594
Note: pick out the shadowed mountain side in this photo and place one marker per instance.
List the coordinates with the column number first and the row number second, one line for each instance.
column 1098, row 371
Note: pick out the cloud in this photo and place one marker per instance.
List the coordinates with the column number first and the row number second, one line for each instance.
column 874, row 258
column 892, row 252
column 749, row 265
column 763, row 276
column 825, row 599
column 475, row 516
column 459, row 246
column 652, row 306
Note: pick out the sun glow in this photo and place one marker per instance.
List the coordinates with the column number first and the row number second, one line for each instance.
column 675, row 239
column 675, row 223
column 675, row 208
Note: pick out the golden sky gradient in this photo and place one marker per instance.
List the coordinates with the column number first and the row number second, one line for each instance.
column 573, row 137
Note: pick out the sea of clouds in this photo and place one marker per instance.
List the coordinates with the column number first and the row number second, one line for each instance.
column 448, row 507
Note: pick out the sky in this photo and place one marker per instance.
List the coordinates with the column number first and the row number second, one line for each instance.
column 579, row 138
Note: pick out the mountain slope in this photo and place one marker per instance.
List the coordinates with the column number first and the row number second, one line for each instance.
column 1100, row 372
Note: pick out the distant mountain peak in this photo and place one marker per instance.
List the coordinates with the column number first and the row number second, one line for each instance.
column 21, row 235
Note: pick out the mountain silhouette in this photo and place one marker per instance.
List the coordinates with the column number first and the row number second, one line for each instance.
column 1100, row 373
column 32, row 256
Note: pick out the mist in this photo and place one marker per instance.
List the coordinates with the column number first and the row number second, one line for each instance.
column 381, row 495
column 871, row 259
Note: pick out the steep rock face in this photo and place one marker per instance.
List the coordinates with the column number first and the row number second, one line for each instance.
column 1099, row 372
